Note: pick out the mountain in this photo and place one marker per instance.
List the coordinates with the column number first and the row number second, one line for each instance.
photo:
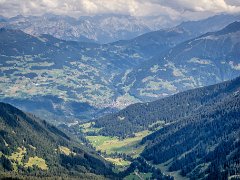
column 2, row 19
column 143, row 116
column 204, row 60
column 43, row 65
column 101, row 28
column 205, row 144
column 211, row 24
column 30, row 147
column 69, row 80
column 153, row 43
column 68, row 77
column 108, row 28
column 195, row 133
column 33, row 149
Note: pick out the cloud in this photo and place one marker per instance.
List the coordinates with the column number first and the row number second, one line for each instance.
column 173, row 9
column 204, row 5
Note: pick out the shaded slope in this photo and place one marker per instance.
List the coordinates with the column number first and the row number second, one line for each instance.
column 204, row 144
column 198, row 132
column 24, row 139
column 141, row 116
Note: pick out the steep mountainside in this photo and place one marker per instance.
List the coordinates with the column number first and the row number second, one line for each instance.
column 211, row 24
column 143, row 116
column 205, row 60
column 153, row 43
column 32, row 147
column 203, row 145
column 196, row 132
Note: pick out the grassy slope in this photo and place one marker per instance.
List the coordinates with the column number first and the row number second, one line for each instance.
column 128, row 146
column 27, row 141
column 111, row 145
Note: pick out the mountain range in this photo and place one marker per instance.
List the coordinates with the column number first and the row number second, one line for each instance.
column 107, row 28
column 102, row 97
column 99, row 28
column 70, row 80
column 204, row 60
column 195, row 134
column 31, row 148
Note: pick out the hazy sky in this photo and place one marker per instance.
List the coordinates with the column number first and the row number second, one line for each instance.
column 175, row 9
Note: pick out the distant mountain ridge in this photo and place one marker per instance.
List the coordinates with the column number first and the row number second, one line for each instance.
column 102, row 29
column 211, row 24
column 205, row 144
column 108, row 28
column 204, row 60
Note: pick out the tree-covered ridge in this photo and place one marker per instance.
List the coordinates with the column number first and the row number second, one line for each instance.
column 141, row 116
column 32, row 147
column 204, row 145
column 200, row 135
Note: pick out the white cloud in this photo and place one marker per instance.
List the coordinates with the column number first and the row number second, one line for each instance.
column 171, row 8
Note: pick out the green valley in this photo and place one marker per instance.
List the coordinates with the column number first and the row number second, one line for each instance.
column 114, row 149
column 110, row 144
column 163, row 105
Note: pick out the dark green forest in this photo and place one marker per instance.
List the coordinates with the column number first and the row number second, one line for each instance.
column 200, row 134
column 203, row 145
column 141, row 116
column 18, row 129
column 24, row 136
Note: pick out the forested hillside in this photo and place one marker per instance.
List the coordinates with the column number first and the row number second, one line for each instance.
column 120, row 90
column 196, row 132
column 32, row 147
column 204, row 144
column 142, row 116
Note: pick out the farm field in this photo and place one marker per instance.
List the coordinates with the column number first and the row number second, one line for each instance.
column 111, row 145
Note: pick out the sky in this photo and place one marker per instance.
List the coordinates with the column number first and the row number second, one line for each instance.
column 174, row 9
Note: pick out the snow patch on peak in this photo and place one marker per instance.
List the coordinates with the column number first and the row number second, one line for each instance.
column 199, row 61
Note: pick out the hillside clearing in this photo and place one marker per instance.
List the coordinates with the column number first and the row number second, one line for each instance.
column 111, row 145
column 36, row 161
